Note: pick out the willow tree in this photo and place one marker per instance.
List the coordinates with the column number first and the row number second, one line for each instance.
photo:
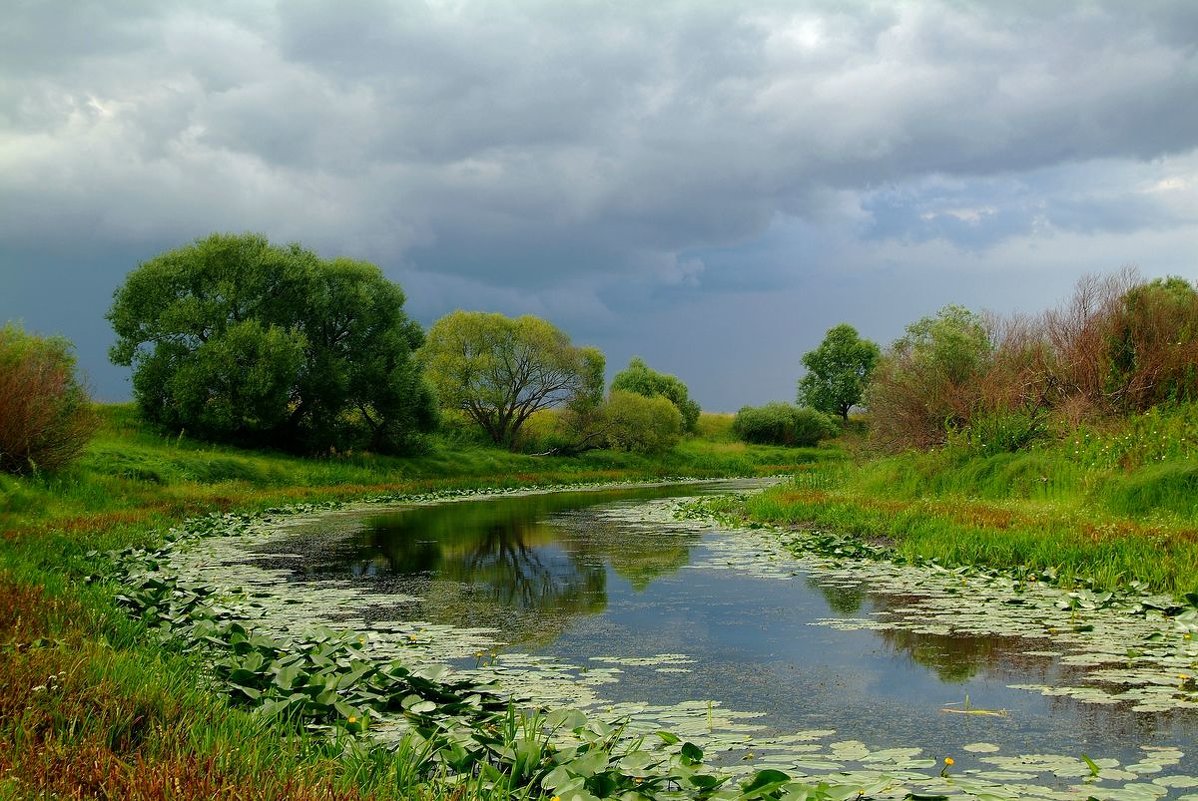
column 234, row 338
column 499, row 370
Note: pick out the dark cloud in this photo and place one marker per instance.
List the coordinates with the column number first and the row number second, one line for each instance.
column 616, row 166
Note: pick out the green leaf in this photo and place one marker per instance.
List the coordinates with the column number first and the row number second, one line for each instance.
column 765, row 778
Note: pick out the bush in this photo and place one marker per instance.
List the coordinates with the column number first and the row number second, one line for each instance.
column 638, row 377
column 1002, row 430
column 46, row 417
column 927, row 382
column 635, row 423
column 783, row 424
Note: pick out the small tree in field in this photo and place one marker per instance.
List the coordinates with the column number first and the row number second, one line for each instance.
column 639, row 378
column 500, row 371
column 838, row 371
column 46, row 417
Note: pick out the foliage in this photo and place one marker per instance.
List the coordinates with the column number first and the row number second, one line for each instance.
column 1153, row 345
column 638, row 377
column 235, row 339
column 838, row 371
column 634, row 422
column 1001, row 430
column 46, row 418
column 783, row 424
column 715, row 426
column 500, row 371
column 925, row 383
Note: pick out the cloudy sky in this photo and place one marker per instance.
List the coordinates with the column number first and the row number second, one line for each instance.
column 710, row 185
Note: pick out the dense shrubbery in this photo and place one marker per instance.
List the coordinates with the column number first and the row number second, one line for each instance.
column 235, row 339
column 633, row 422
column 1119, row 346
column 46, row 417
column 926, row 384
column 783, row 424
column 638, row 377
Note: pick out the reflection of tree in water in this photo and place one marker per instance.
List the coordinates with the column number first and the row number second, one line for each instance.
column 843, row 599
column 500, row 564
column 956, row 658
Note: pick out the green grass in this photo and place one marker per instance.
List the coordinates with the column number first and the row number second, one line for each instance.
column 126, row 716
column 1108, row 505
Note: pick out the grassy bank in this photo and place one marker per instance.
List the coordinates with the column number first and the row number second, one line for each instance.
column 94, row 705
column 1113, row 504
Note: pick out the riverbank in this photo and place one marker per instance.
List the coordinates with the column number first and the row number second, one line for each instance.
column 1110, row 507
column 93, row 704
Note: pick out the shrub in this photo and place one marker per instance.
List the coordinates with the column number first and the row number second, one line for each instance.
column 638, row 377
column 783, row 424
column 46, row 417
column 1001, row 430
column 633, row 422
column 927, row 382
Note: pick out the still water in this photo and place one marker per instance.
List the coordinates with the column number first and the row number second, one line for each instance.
column 566, row 575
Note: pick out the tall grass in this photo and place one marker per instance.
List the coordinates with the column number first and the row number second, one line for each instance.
column 1112, row 503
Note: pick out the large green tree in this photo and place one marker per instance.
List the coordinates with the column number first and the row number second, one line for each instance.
column 639, row 378
column 500, row 370
column 234, row 338
column 837, row 371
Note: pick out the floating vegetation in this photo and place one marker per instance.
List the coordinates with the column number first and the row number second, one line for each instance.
column 291, row 653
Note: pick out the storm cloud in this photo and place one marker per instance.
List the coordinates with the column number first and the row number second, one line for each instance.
column 709, row 185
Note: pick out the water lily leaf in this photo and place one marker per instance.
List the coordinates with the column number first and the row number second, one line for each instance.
column 691, row 754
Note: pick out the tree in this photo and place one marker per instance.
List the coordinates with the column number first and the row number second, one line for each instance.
column 837, row 371
column 926, row 384
column 499, row 370
column 46, row 417
column 640, row 424
column 639, row 378
column 237, row 339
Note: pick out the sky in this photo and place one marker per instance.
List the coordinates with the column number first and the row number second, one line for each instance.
column 708, row 185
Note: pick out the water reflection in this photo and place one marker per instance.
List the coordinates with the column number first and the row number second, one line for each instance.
column 559, row 578
column 526, row 565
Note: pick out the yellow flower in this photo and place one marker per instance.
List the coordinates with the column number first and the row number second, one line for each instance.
column 556, row 798
column 948, row 761
column 353, row 719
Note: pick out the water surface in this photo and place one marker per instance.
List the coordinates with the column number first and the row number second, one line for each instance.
column 568, row 576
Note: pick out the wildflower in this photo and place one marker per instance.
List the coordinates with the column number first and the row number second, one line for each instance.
column 352, row 719
column 948, row 763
